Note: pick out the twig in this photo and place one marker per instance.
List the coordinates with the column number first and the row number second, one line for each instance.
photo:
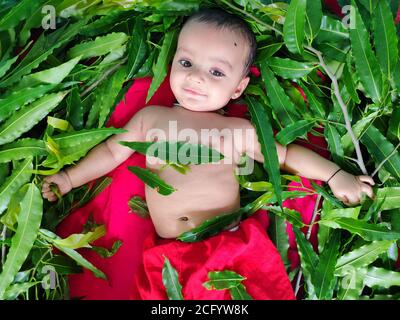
column 103, row 76
column 252, row 17
column 383, row 162
column 308, row 235
column 343, row 106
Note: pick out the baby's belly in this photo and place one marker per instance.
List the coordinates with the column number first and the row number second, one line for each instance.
column 204, row 192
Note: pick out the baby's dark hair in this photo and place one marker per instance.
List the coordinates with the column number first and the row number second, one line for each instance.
column 222, row 19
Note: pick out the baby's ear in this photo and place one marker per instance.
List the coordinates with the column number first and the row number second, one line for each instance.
column 241, row 87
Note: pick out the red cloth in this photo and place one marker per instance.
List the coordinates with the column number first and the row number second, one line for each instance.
column 247, row 251
column 110, row 208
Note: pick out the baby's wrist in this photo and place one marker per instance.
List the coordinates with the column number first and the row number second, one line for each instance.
column 65, row 172
column 333, row 175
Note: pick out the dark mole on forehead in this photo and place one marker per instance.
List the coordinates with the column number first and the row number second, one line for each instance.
column 235, row 44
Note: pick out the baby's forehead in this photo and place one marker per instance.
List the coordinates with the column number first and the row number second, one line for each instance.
column 195, row 29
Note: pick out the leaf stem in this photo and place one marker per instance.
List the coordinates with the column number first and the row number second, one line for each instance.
column 104, row 76
column 252, row 17
column 343, row 106
column 386, row 159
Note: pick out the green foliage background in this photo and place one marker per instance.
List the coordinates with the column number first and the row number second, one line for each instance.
column 59, row 86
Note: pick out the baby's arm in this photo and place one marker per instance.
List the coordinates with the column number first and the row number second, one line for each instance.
column 100, row 160
column 301, row 161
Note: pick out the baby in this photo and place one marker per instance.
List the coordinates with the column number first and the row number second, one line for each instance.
column 210, row 67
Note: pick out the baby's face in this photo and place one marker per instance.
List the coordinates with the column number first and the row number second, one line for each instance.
column 208, row 66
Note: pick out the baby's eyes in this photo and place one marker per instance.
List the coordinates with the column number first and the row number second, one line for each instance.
column 185, row 63
column 217, row 73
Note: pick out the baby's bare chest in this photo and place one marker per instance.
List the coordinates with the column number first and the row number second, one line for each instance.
column 212, row 131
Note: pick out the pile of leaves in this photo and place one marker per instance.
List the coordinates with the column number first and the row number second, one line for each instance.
column 65, row 64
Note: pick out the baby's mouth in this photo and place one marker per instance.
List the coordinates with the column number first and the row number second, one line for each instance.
column 193, row 92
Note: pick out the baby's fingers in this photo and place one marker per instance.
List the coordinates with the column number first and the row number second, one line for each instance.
column 49, row 196
column 367, row 179
column 367, row 190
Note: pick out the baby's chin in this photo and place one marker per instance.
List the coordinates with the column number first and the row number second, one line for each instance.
column 198, row 107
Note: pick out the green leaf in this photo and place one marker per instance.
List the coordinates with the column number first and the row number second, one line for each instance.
column 139, row 206
column 361, row 257
column 14, row 290
column 75, row 109
column 152, row 180
column 107, row 94
column 24, row 237
column 221, row 280
column 293, row 29
column 34, row 20
column 81, row 240
column 323, row 278
column 170, row 279
column 350, row 84
column 379, row 277
column 367, row 231
column 289, row 69
column 85, row 136
column 282, row 106
column 380, row 149
column 51, row 237
column 292, row 216
column 22, row 149
column 19, row 176
column 239, row 293
column 367, row 66
column 105, row 253
column 308, row 259
column 267, row 51
column 50, row 76
column 99, row 186
column 63, row 265
column 313, row 18
column 394, row 125
column 105, row 23
column 212, row 226
column 294, row 131
column 20, row 12
column 6, row 65
column 279, row 237
column 358, row 129
column 335, row 147
column 331, row 31
column 41, row 50
column 385, row 38
column 315, row 105
column 352, row 285
column 268, row 148
column 23, row 120
column 391, row 197
column 98, row 47
column 138, row 49
column 17, row 99
column 161, row 67
column 177, row 152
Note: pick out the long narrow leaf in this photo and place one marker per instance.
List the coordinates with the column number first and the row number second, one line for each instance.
column 24, row 237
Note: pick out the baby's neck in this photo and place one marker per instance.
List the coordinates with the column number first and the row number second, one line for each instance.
column 219, row 111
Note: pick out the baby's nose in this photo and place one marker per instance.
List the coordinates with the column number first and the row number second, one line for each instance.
column 196, row 76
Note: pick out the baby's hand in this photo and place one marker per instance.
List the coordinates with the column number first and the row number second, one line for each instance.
column 61, row 180
column 349, row 188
